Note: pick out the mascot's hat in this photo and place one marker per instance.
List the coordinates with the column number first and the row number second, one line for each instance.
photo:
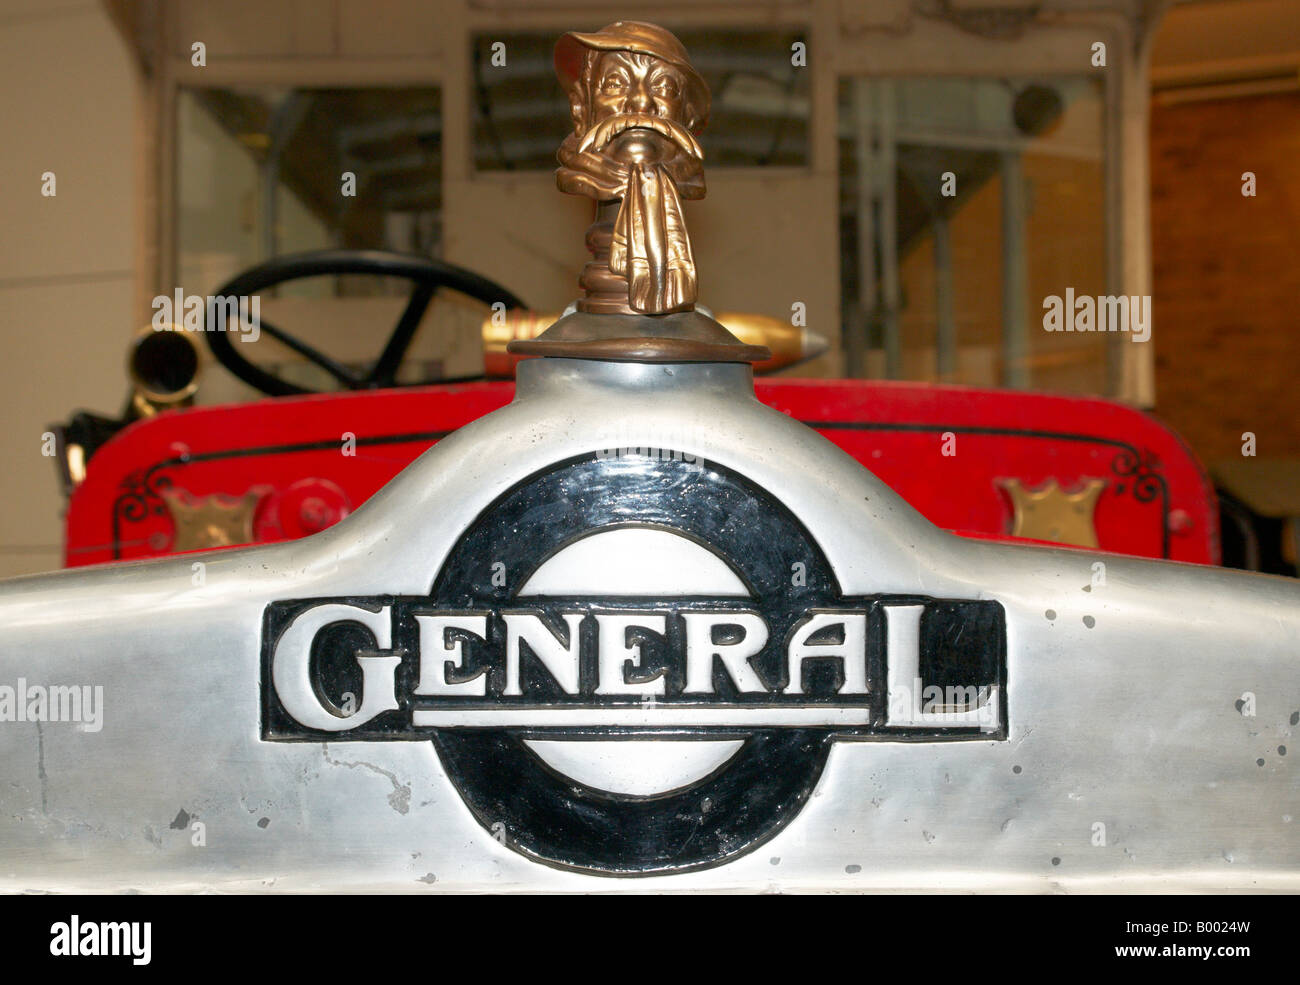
column 649, row 39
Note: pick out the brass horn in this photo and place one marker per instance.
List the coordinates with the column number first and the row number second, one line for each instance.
column 164, row 366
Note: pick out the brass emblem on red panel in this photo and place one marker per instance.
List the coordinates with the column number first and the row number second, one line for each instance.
column 1052, row 514
column 205, row 522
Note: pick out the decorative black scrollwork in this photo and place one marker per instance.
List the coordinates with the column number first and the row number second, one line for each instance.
column 139, row 496
column 1142, row 467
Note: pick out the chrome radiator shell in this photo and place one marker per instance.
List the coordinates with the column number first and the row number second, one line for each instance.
column 1129, row 720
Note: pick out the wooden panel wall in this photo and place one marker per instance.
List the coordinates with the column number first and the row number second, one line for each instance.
column 1227, row 272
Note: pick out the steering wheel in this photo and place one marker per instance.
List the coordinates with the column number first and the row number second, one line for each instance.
column 426, row 274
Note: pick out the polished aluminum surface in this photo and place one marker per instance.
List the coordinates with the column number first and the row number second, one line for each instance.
column 1122, row 698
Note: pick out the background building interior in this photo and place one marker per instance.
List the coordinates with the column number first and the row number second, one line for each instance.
column 177, row 168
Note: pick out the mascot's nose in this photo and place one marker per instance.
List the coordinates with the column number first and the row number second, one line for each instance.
column 639, row 100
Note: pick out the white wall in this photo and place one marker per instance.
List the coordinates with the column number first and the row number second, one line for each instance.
column 67, row 99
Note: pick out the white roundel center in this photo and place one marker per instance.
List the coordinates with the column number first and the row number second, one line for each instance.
column 634, row 561
column 649, row 562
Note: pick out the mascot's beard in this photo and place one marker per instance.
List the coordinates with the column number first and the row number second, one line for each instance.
column 586, row 167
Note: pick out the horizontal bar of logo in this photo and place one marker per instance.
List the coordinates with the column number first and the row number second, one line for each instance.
column 645, row 715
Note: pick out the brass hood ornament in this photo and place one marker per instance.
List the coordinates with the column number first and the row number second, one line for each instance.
column 637, row 106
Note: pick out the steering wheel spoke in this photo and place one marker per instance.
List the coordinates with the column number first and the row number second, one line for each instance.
column 336, row 370
column 384, row 372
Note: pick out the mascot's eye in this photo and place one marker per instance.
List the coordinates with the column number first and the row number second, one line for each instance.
column 612, row 83
column 664, row 86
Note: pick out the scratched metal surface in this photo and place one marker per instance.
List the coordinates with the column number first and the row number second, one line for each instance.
column 1129, row 721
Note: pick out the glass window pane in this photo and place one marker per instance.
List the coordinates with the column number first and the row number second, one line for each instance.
column 966, row 205
column 260, row 173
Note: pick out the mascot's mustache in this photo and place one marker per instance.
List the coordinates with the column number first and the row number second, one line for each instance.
column 599, row 136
